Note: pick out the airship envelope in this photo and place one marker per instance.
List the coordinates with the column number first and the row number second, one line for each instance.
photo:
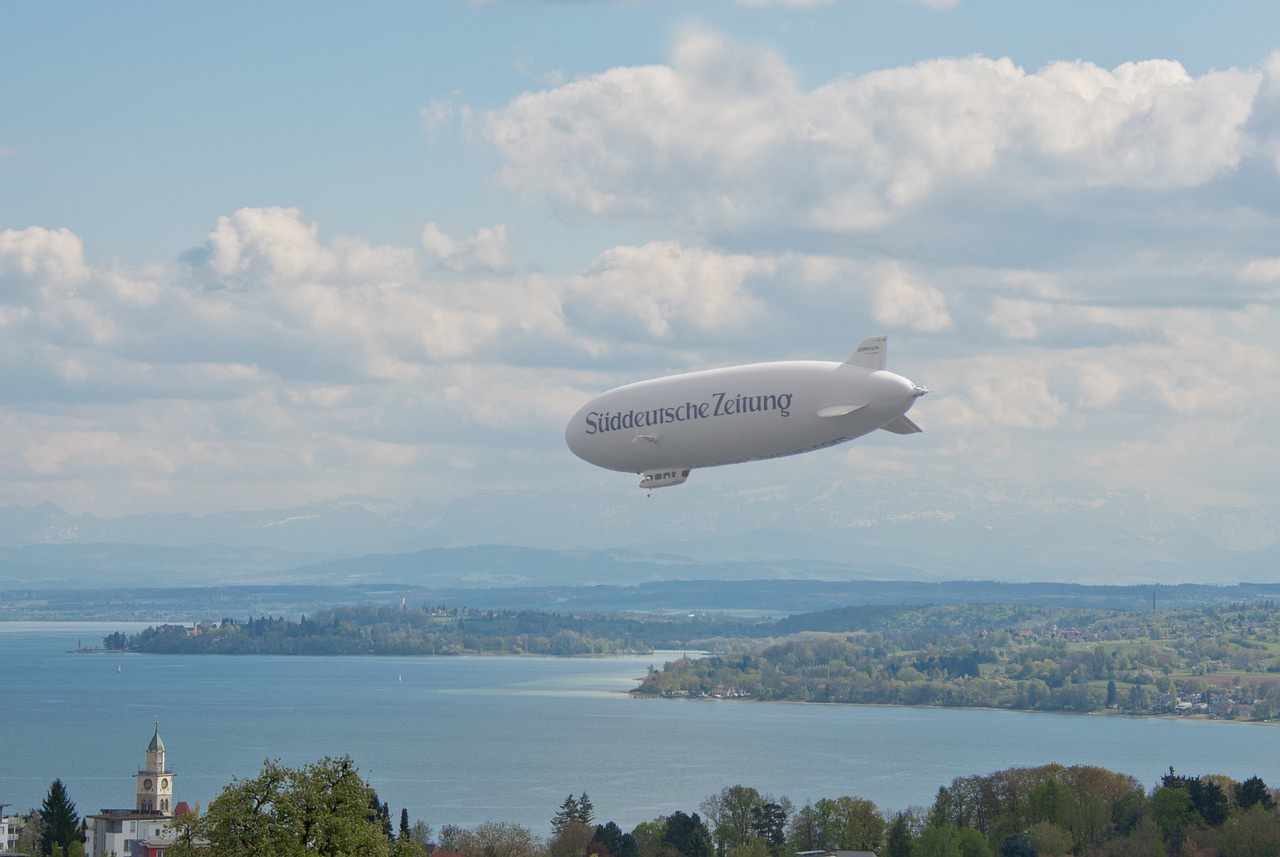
column 665, row 427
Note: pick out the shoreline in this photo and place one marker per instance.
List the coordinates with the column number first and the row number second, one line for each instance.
column 1119, row 715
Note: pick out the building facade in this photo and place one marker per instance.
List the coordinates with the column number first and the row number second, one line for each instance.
column 144, row 829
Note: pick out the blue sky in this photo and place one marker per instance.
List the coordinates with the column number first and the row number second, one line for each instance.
column 261, row 254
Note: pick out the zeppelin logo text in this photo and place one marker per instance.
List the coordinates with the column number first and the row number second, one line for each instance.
column 720, row 405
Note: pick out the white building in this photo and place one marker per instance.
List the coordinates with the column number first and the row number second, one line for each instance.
column 121, row 832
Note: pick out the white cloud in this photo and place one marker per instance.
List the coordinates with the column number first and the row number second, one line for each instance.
column 1018, row 319
column 903, row 301
column 35, row 257
column 724, row 138
column 486, row 250
column 661, row 287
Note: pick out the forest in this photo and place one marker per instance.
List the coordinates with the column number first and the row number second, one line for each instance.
column 1213, row 661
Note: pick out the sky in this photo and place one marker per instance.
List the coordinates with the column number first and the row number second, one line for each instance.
column 259, row 255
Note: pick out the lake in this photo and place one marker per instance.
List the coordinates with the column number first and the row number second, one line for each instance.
column 463, row 740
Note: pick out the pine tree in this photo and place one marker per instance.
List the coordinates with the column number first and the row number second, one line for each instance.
column 62, row 825
column 404, row 824
column 568, row 813
column 586, row 812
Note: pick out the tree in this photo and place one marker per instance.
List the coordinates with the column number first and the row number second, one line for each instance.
column 769, row 823
column 1173, row 812
column 851, row 824
column 62, row 825
column 404, row 822
column 449, row 834
column 185, row 833
column 1253, row 792
column 31, row 836
column 420, row 835
column 1016, row 845
column 647, row 836
column 688, row 835
column 1048, row 839
column 573, row 810
column 898, row 837
column 380, row 813
column 322, row 808
column 571, row 840
column 731, row 812
column 617, row 843
column 1252, row 833
column 498, row 839
column 586, row 811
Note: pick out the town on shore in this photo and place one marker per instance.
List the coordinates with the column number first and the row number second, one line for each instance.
column 327, row 808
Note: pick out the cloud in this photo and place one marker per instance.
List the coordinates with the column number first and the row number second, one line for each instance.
column 486, row 250
column 44, row 259
column 903, row 301
column 662, row 288
column 724, row 138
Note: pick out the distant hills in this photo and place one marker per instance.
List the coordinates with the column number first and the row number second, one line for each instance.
column 613, row 534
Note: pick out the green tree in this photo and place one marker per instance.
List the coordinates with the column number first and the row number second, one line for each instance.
column 567, row 814
column 1253, row 792
column 769, row 824
column 852, row 824
column 586, row 810
column 688, row 835
column 1049, row 839
column 1254, row 832
column 617, row 843
column 898, row 840
column 62, row 825
column 1174, row 813
column 185, row 833
column 971, row 843
column 323, row 808
column 647, row 836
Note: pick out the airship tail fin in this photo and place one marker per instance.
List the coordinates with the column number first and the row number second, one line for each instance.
column 869, row 353
column 902, row 425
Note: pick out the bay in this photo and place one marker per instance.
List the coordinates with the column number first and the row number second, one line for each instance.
column 463, row 740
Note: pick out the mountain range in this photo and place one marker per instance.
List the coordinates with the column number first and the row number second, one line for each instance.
column 880, row 529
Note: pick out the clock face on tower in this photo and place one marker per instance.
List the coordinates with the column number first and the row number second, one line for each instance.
column 164, row 784
column 146, row 784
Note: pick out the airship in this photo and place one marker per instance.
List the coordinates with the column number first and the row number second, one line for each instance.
column 664, row 428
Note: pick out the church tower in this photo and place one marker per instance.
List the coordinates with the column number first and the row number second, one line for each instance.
column 155, row 782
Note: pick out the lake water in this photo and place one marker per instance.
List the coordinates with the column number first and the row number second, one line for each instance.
column 464, row 740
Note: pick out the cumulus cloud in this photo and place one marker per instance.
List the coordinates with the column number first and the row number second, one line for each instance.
column 725, row 138
column 39, row 258
column 662, row 287
column 903, row 301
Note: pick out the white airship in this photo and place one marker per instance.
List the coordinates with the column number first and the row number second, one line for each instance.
column 665, row 427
